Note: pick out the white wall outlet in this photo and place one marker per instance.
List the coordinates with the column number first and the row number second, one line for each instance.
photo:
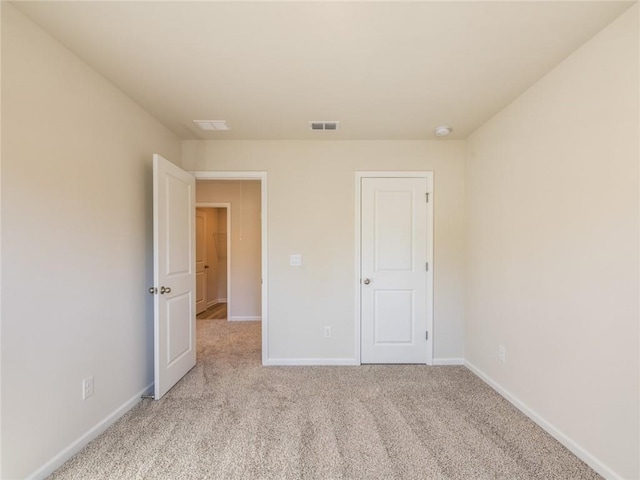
column 502, row 353
column 327, row 332
column 295, row 260
column 87, row 387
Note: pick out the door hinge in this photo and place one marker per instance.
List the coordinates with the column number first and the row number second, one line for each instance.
column 427, row 266
column 426, row 337
column 427, row 195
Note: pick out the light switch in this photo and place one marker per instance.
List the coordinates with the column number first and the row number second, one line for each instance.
column 295, row 260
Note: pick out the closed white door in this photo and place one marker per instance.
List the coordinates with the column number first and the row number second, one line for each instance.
column 201, row 267
column 394, row 270
column 174, row 274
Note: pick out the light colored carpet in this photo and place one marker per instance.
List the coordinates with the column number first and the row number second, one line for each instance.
column 231, row 418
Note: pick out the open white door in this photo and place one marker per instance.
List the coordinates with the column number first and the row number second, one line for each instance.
column 173, row 274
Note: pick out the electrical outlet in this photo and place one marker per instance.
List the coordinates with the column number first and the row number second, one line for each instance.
column 327, row 332
column 87, row 387
column 502, row 353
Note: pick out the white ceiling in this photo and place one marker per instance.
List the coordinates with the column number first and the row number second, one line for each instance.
column 386, row 70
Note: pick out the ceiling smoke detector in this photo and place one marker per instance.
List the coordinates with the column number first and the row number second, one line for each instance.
column 443, row 131
column 212, row 125
column 325, row 125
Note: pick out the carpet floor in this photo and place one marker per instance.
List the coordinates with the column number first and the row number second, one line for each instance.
column 231, row 418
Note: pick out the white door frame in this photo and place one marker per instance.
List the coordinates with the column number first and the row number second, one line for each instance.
column 227, row 207
column 262, row 177
column 428, row 175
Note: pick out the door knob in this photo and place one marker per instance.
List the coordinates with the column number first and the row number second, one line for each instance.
column 153, row 290
column 206, row 266
column 165, row 290
column 366, row 281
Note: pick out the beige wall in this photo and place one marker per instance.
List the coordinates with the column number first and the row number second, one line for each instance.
column 76, row 246
column 311, row 211
column 244, row 196
column 553, row 248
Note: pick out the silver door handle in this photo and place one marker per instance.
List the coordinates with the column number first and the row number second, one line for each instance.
column 366, row 281
column 165, row 290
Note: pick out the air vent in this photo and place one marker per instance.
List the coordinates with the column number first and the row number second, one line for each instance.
column 212, row 125
column 324, row 125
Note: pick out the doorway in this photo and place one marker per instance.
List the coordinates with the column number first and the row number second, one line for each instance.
column 245, row 262
column 213, row 260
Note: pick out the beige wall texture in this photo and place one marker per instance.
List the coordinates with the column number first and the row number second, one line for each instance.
column 311, row 211
column 244, row 196
column 76, row 245
column 553, row 248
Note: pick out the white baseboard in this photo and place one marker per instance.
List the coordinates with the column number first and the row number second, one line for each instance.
column 216, row 302
column 448, row 361
column 311, row 361
column 576, row 449
column 244, row 319
column 346, row 361
column 57, row 461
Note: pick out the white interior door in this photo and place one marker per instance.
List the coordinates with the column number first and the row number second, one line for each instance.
column 201, row 267
column 174, row 274
column 394, row 255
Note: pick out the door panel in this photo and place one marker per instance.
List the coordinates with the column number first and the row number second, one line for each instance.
column 393, row 247
column 177, row 226
column 394, row 254
column 174, row 274
column 394, row 316
column 179, row 329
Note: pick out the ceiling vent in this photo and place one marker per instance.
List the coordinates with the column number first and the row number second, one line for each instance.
column 325, row 125
column 212, row 125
